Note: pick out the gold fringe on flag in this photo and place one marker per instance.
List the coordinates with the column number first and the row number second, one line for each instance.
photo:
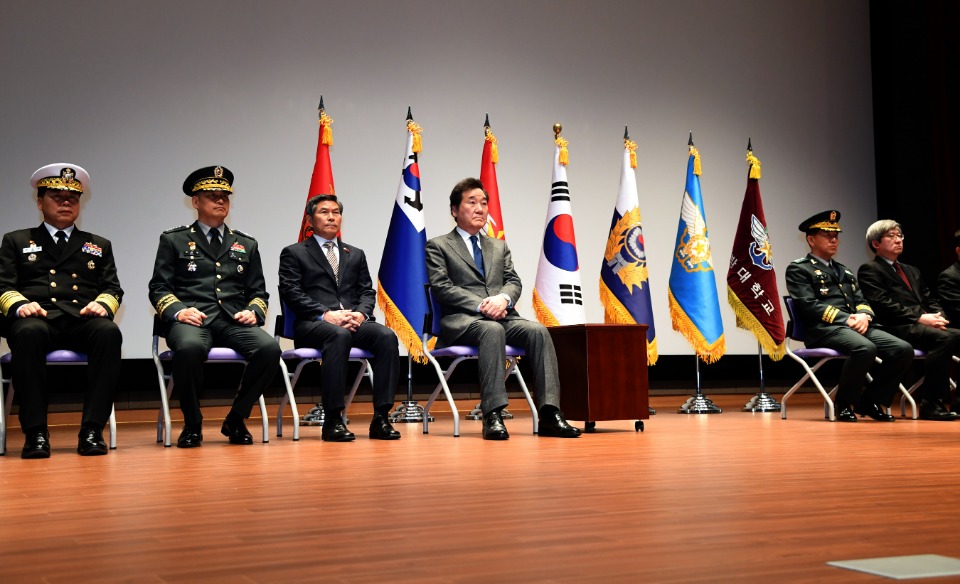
column 564, row 153
column 395, row 320
column 754, row 165
column 415, row 129
column 614, row 312
column 325, row 122
column 494, row 151
column 697, row 168
column 632, row 147
column 543, row 313
column 708, row 352
column 748, row 321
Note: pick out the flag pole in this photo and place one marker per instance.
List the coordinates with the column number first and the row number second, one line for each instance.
column 763, row 401
column 409, row 411
column 699, row 403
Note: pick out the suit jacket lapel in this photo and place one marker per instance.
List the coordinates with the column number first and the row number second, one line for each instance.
column 42, row 237
column 74, row 244
column 487, row 252
column 460, row 246
column 320, row 256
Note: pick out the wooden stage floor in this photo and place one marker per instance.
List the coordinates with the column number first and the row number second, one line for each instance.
column 735, row 497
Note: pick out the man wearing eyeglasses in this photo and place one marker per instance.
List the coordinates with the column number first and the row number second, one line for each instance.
column 209, row 290
column 905, row 307
column 836, row 316
column 59, row 290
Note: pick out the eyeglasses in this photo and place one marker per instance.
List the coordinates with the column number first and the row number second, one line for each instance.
column 894, row 236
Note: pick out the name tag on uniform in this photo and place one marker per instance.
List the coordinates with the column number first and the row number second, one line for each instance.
column 34, row 248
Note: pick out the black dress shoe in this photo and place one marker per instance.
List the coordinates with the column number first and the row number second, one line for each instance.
column 90, row 442
column 36, row 445
column 934, row 410
column 190, row 437
column 334, row 431
column 237, row 432
column 844, row 413
column 555, row 425
column 380, row 429
column 875, row 411
column 493, row 428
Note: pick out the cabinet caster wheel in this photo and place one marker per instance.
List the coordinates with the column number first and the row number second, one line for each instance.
column 638, row 426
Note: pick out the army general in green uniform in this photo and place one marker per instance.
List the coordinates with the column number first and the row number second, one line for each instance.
column 836, row 316
column 209, row 290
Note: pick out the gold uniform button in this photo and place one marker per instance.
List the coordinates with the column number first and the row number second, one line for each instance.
column 53, row 300
column 218, row 264
column 75, row 287
column 219, row 301
column 53, row 271
column 219, row 276
column 75, row 302
column 73, row 275
column 218, row 289
column 53, row 284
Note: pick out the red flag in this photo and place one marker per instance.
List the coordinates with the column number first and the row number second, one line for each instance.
column 488, row 176
column 751, row 280
column 321, row 183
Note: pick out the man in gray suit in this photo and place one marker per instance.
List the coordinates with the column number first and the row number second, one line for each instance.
column 473, row 279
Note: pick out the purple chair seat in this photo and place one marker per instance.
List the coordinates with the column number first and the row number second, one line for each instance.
column 817, row 353
column 215, row 354
column 355, row 353
column 58, row 356
column 470, row 351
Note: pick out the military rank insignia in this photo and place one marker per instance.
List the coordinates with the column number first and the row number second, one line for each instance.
column 91, row 265
column 238, row 247
column 192, row 267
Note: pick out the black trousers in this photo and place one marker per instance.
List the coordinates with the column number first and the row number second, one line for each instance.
column 30, row 340
column 940, row 346
column 190, row 345
column 895, row 353
column 335, row 342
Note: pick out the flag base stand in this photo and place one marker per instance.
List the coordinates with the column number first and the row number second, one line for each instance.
column 762, row 402
column 699, row 403
column 409, row 411
column 316, row 417
column 477, row 414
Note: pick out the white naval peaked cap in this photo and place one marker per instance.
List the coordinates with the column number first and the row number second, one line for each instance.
column 61, row 177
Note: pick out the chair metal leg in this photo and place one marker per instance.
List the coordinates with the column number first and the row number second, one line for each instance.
column 513, row 370
column 113, row 428
column 446, row 390
column 810, row 374
column 166, row 390
column 289, row 397
column 264, row 419
column 3, row 421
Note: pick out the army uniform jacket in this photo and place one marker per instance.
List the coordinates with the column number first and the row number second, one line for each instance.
column 32, row 270
column 821, row 300
column 188, row 273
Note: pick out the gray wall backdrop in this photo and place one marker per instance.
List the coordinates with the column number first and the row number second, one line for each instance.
column 142, row 93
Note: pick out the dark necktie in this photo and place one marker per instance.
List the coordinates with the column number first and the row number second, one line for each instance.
column 477, row 256
column 215, row 241
column 61, row 240
column 902, row 274
column 837, row 271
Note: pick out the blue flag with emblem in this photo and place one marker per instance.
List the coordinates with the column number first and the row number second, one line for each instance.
column 692, row 291
column 624, row 281
column 403, row 268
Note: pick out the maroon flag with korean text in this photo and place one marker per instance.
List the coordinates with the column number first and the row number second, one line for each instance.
column 751, row 279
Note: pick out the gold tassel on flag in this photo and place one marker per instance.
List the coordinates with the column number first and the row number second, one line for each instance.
column 754, row 165
column 564, row 153
column 326, row 121
column 415, row 129
column 494, row 151
column 632, row 147
column 697, row 168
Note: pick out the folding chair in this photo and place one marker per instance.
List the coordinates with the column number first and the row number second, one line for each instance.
column 215, row 355
column 918, row 354
column 283, row 329
column 795, row 332
column 60, row 357
column 460, row 353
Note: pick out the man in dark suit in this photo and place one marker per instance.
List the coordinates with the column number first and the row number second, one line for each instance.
column 836, row 316
column 326, row 283
column 208, row 289
column 473, row 279
column 948, row 285
column 905, row 307
column 59, row 290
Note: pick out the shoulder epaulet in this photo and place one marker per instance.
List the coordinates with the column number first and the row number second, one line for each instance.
column 175, row 229
column 247, row 235
column 799, row 260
